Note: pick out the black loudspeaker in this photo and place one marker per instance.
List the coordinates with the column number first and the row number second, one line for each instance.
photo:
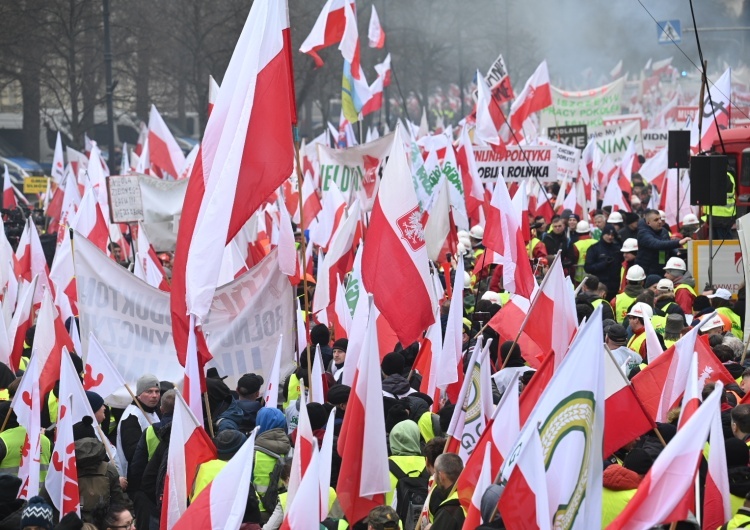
column 708, row 180
column 678, row 149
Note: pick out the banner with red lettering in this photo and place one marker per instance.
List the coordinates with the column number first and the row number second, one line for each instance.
column 355, row 170
column 517, row 164
column 132, row 321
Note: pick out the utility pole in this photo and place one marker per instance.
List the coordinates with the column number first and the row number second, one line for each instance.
column 110, row 90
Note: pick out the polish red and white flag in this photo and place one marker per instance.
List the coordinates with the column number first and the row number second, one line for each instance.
column 375, row 33
column 327, row 30
column 100, row 373
column 535, row 96
column 165, row 152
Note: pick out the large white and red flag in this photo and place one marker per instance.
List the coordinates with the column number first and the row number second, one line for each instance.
column 503, row 235
column 71, row 200
column 473, row 189
column 189, row 446
column 535, row 96
column 61, row 482
column 303, row 510
column 327, row 30
column 717, row 508
column 375, row 103
column 473, row 513
column 672, row 475
column 361, row 443
column 621, row 402
column 214, row 508
column 490, row 117
column 29, row 398
column 450, row 374
column 164, row 150
column 58, row 162
column 9, row 195
column 569, row 420
column 396, row 225
column 375, row 33
column 311, row 205
column 90, row 221
column 194, row 383
column 31, row 260
column 100, row 373
column 271, row 395
column 247, row 152
column 716, row 113
column 23, row 319
column 151, row 266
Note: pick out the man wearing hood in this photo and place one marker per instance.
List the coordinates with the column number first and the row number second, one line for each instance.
column 655, row 244
column 271, row 447
column 684, row 283
column 602, row 260
column 406, row 456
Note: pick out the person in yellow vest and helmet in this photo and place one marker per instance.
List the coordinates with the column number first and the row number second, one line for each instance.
column 723, row 216
column 714, row 326
column 580, row 248
column 636, row 318
column 476, row 234
column 721, row 300
column 227, row 444
column 684, row 283
column 634, row 287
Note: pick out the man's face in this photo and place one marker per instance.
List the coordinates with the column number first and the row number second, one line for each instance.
column 150, row 397
column 635, row 323
column 338, row 356
column 608, row 237
column 572, row 223
column 600, row 221
column 629, row 256
column 745, row 384
column 558, row 227
column 669, row 276
column 654, row 221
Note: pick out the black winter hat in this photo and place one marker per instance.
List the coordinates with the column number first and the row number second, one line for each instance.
column 339, row 394
column 229, row 442
column 249, row 384
column 638, row 460
column 37, row 513
column 340, row 344
column 9, row 486
column 318, row 415
column 84, row 429
column 95, row 400
column 737, row 453
column 393, row 363
column 320, row 334
column 616, row 333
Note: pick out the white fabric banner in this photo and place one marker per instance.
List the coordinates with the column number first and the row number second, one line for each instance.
column 517, row 164
column 132, row 321
column 568, row 159
column 162, row 206
column 586, row 107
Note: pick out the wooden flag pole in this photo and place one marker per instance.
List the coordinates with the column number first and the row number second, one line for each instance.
column 208, row 415
column 138, row 404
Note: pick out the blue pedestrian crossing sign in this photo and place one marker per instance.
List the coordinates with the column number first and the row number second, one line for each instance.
column 668, row 32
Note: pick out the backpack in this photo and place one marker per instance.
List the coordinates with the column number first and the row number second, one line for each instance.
column 411, row 494
column 270, row 498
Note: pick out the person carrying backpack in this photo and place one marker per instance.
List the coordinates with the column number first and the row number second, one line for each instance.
column 408, row 473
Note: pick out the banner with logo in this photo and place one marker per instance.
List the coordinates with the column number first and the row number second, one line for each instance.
column 613, row 140
column 355, row 170
column 516, row 164
column 654, row 140
column 132, row 320
column 728, row 269
column 586, row 107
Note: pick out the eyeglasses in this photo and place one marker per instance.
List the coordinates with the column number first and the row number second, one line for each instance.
column 129, row 526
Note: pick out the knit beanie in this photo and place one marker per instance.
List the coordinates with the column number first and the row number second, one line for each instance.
column 638, row 461
column 37, row 513
column 95, row 400
column 318, row 415
column 229, row 442
column 340, row 344
column 737, row 453
column 145, row 382
column 84, row 429
column 339, row 394
column 9, row 486
column 393, row 363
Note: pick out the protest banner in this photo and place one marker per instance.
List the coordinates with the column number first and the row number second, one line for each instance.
column 622, row 119
column 132, row 320
column 586, row 107
column 728, row 270
column 125, row 204
column 654, row 140
column 517, row 164
column 572, row 135
column 613, row 140
column 355, row 170
column 162, row 205
column 568, row 159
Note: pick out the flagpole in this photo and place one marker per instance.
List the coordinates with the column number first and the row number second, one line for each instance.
column 637, row 398
column 7, row 417
column 531, row 307
column 208, row 414
column 138, row 403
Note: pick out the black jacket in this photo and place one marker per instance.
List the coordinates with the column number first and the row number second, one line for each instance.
column 449, row 516
column 603, row 260
column 654, row 248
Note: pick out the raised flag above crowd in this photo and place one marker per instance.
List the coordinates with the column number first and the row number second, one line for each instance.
column 520, row 317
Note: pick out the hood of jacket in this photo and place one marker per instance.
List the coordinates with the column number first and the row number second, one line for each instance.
column 687, row 279
column 396, row 384
column 274, row 440
column 404, row 439
column 416, row 405
column 633, row 290
column 739, row 481
column 90, row 452
column 619, row 478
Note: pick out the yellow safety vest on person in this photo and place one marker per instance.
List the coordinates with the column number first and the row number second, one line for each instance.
column 207, row 472
column 331, row 500
column 14, row 440
column 735, row 319
column 293, row 390
column 659, row 323
column 740, row 520
column 531, row 246
column 636, row 341
column 410, row 465
column 152, row 441
column 623, row 302
column 262, row 469
column 52, row 407
column 614, row 502
column 425, row 426
column 582, row 246
column 669, row 343
column 730, row 210
column 4, row 394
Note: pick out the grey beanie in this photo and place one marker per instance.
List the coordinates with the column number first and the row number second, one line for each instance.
column 145, row 382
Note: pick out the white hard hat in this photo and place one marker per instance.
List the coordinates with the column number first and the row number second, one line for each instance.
column 665, row 285
column 690, row 219
column 465, row 241
column 675, row 263
column 635, row 274
column 662, row 214
column 722, row 293
column 615, row 218
column 463, row 233
column 630, row 245
column 467, row 279
column 635, row 201
column 583, row 227
column 477, row 232
column 461, row 249
column 713, row 323
column 641, row 310
column 492, row 297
